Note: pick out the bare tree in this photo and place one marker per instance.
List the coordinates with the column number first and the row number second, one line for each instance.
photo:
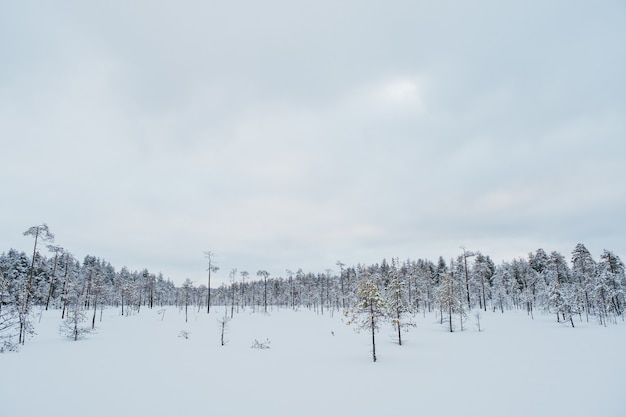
column 212, row 268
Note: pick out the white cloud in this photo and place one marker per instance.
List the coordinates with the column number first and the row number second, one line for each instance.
column 281, row 136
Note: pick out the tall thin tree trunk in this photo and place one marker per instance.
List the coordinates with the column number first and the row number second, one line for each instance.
column 64, row 290
column 469, row 303
column 95, row 310
column 32, row 272
column 232, row 306
column 399, row 330
column 322, row 295
column 52, row 279
column 482, row 283
column 373, row 326
column 208, row 291
column 265, row 294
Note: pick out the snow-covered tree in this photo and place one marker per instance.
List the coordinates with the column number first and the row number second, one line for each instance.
column 72, row 326
column 583, row 276
column 71, row 269
column 93, row 274
column 561, row 298
column 609, row 288
column 539, row 263
column 233, row 284
column 9, row 317
column 450, row 300
column 264, row 274
column 58, row 254
column 398, row 305
column 527, row 279
column 223, row 325
column 499, row 290
column 15, row 267
column 40, row 233
column 187, row 295
column 423, row 275
column 369, row 310
column 244, row 276
column 483, row 271
column 466, row 274
column 212, row 268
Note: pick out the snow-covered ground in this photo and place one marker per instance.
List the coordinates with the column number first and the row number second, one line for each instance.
column 316, row 365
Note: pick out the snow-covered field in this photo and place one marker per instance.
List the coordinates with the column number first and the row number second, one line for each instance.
column 316, row 365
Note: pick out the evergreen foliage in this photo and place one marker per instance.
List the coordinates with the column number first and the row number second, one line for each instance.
column 369, row 309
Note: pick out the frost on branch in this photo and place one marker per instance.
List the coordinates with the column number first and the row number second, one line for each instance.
column 223, row 324
column 71, row 327
column 368, row 310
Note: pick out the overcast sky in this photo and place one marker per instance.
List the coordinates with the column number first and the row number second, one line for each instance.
column 290, row 134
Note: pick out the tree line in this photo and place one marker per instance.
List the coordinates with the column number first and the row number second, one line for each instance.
column 582, row 289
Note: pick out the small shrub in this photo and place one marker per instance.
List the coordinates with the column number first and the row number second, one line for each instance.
column 261, row 345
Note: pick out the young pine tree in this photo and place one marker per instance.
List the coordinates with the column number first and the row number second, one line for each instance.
column 368, row 310
column 398, row 305
column 73, row 325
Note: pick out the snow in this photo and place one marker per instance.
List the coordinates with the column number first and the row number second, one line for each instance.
column 316, row 365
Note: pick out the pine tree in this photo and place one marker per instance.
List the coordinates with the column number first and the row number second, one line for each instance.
column 264, row 274
column 527, row 278
column 40, row 233
column 72, row 325
column 583, row 275
column 539, row 263
column 449, row 299
column 425, row 278
column 560, row 294
column 501, row 280
column 9, row 317
column 610, row 285
column 397, row 302
column 58, row 251
column 368, row 310
column 466, row 274
column 483, row 272
column 187, row 295
column 212, row 268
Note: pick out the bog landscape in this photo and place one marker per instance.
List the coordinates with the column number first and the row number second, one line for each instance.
column 538, row 336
